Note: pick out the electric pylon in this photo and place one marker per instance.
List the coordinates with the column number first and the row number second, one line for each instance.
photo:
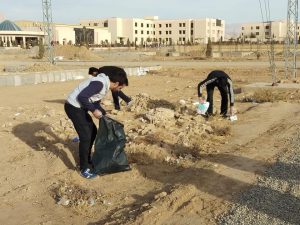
column 48, row 28
column 291, row 40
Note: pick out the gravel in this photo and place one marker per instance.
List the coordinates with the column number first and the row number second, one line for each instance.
column 275, row 198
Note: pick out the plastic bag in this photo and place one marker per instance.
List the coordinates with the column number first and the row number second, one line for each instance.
column 202, row 108
column 109, row 155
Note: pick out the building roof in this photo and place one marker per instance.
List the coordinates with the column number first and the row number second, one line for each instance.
column 9, row 25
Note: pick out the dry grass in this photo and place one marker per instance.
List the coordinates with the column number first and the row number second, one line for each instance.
column 221, row 127
column 264, row 95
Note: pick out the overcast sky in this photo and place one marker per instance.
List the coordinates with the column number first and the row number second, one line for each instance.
column 72, row 11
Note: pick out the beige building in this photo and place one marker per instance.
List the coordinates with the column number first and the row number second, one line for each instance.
column 12, row 35
column 69, row 34
column 152, row 30
column 263, row 31
column 75, row 34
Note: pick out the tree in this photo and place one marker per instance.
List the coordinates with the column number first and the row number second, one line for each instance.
column 208, row 52
column 252, row 35
column 128, row 42
column 41, row 49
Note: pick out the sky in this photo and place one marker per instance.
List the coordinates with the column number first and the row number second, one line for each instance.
column 72, row 11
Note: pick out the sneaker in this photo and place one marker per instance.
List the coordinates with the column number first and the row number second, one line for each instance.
column 130, row 103
column 86, row 173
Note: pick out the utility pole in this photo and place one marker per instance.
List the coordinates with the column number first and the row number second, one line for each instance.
column 291, row 39
column 48, row 28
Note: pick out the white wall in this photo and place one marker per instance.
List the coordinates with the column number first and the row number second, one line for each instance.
column 64, row 33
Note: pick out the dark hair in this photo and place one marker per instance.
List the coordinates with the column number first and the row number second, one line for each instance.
column 115, row 74
column 93, row 70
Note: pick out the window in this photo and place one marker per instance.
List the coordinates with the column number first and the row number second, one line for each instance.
column 95, row 24
column 142, row 25
column 167, row 32
column 159, row 25
column 183, row 24
column 179, row 39
column 251, row 28
column 183, row 39
column 154, row 25
column 267, row 27
column 135, row 24
column 183, row 32
column 257, row 27
column 136, row 39
column 154, row 32
column 179, row 31
column 147, row 31
column 167, row 25
column 267, row 33
column 192, row 32
column 147, row 24
column 142, row 32
column 105, row 24
column 170, row 25
column 159, row 32
column 243, row 28
column 192, row 25
column 135, row 31
column 180, row 24
column 170, row 32
column 257, row 33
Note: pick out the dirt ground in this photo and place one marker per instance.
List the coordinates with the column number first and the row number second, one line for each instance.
column 185, row 169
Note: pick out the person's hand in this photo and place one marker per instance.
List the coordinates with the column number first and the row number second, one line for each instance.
column 97, row 114
column 201, row 100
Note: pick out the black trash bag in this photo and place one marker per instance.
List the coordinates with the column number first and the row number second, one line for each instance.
column 109, row 155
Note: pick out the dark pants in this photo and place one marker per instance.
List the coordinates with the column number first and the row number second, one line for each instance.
column 116, row 95
column 86, row 130
column 223, row 88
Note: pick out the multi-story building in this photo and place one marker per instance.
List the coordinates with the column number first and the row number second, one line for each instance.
column 153, row 30
column 264, row 31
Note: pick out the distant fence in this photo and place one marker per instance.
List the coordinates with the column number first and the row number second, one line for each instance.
column 18, row 79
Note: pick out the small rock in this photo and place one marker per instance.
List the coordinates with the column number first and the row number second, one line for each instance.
column 63, row 201
column 160, row 195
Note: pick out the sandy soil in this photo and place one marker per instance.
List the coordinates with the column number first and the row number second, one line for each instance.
column 185, row 169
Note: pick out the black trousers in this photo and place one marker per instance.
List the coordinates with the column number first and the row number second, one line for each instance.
column 86, row 130
column 223, row 88
column 116, row 95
